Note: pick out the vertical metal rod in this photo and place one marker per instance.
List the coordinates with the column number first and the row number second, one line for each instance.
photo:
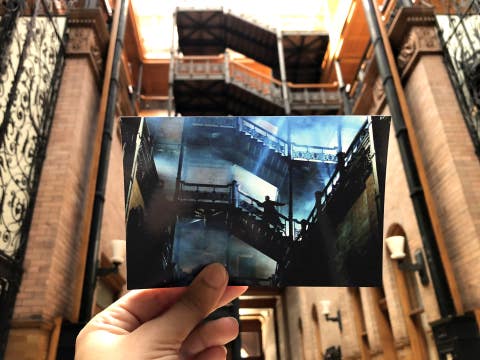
column 90, row 279
column 138, row 93
column 171, row 70
column 185, row 127
column 226, row 64
column 283, row 73
column 290, row 183
column 347, row 108
column 439, row 280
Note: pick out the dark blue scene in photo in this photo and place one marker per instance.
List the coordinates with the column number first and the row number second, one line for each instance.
column 280, row 200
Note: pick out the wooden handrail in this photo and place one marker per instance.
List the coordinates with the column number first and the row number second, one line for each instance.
column 154, row 97
column 329, row 86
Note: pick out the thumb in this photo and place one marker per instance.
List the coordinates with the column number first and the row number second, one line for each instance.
column 196, row 304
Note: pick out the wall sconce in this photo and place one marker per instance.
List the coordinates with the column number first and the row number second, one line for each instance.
column 117, row 259
column 396, row 246
column 326, row 311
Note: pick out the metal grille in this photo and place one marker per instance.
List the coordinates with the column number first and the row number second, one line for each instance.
column 460, row 35
column 31, row 63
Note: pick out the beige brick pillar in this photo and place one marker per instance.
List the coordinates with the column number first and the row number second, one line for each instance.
column 51, row 258
column 451, row 165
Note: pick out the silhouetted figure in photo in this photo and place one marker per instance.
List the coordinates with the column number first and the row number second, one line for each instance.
column 270, row 214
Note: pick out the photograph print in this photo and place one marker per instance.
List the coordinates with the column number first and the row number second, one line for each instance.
column 280, row 200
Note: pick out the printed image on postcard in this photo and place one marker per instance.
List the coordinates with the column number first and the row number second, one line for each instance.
column 280, row 201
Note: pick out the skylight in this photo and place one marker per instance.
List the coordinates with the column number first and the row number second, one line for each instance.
column 155, row 18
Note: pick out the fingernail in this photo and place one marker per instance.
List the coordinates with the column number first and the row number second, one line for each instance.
column 215, row 275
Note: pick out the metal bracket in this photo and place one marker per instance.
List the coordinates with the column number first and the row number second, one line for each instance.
column 419, row 266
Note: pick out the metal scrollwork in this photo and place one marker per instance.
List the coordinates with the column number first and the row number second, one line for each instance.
column 460, row 36
column 32, row 62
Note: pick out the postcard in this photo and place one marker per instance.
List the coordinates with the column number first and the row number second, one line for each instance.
column 280, row 200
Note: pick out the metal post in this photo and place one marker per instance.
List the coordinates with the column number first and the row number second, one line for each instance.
column 138, row 93
column 347, row 108
column 226, row 65
column 171, row 70
column 439, row 280
column 90, row 279
column 283, row 73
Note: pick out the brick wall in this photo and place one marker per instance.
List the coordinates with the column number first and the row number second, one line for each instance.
column 452, row 168
column 52, row 252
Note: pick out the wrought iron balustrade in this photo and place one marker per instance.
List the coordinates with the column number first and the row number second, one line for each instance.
column 211, row 193
column 256, row 82
column 301, row 96
column 259, row 133
column 307, row 96
column 360, row 144
column 31, row 64
column 459, row 30
column 199, row 68
column 220, row 122
column 314, row 153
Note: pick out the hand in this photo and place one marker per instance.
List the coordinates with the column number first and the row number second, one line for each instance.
column 164, row 323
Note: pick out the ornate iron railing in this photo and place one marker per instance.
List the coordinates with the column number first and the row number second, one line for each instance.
column 279, row 145
column 266, row 137
column 360, row 143
column 301, row 96
column 459, row 32
column 32, row 50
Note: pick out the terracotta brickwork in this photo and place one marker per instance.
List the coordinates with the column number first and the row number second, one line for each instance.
column 452, row 167
column 452, row 170
column 52, row 253
column 50, row 258
column 29, row 342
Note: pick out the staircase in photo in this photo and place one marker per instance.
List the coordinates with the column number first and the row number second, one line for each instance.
column 242, row 213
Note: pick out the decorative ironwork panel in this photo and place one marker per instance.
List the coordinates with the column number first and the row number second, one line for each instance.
column 460, row 34
column 32, row 62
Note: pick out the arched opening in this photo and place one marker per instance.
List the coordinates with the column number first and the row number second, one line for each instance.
column 360, row 325
column 410, row 299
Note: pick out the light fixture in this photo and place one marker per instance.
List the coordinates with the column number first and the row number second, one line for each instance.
column 326, row 312
column 396, row 246
column 117, row 259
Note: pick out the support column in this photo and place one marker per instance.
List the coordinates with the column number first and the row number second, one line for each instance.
column 411, row 158
column 283, row 72
column 171, row 69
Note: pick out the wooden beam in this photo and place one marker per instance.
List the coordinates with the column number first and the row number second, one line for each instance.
column 258, row 303
column 383, row 325
column 362, row 336
column 413, row 324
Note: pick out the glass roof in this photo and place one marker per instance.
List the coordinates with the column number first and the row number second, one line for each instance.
column 154, row 19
